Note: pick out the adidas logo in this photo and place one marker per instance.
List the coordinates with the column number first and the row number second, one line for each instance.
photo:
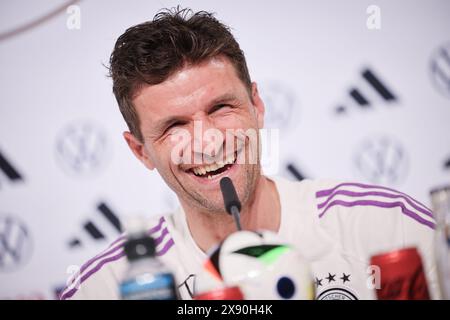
column 295, row 172
column 107, row 219
column 369, row 91
column 9, row 170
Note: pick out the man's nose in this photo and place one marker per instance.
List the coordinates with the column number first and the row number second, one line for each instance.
column 207, row 139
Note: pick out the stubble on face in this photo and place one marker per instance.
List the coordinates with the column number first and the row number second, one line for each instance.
column 186, row 94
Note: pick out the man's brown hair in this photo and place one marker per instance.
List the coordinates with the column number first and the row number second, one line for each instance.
column 149, row 53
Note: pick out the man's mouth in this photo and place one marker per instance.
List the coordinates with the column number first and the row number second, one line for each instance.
column 214, row 169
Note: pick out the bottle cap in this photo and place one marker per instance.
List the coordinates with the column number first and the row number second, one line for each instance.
column 139, row 244
column 137, row 248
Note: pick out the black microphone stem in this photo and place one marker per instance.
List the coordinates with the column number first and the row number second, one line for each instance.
column 236, row 216
column 231, row 200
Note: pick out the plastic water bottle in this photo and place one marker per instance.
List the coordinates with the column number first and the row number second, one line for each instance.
column 440, row 199
column 147, row 278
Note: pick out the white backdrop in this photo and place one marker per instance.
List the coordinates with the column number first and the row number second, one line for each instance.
column 63, row 159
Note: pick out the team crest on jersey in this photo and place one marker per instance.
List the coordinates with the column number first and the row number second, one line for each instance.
column 334, row 287
column 337, row 293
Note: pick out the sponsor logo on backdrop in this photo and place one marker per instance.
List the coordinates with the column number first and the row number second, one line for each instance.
column 282, row 105
column 381, row 160
column 440, row 69
column 106, row 224
column 82, row 148
column 295, row 172
column 15, row 243
column 369, row 91
column 9, row 170
column 447, row 164
column 58, row 290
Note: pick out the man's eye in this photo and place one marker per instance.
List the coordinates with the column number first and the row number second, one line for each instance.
column 220, row 107
column 174, row 125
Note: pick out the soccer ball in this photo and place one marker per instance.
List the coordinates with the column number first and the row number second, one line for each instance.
column 260, row 264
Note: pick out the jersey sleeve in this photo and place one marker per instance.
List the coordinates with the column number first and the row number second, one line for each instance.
column 367, row 220
column 98, row 278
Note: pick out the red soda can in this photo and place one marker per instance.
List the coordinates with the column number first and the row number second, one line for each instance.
column 228, row 293
column 402, row 275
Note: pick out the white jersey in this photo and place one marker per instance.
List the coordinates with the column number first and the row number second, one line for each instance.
column 337, row 227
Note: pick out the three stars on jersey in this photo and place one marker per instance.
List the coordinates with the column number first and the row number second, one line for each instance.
column 332, row 278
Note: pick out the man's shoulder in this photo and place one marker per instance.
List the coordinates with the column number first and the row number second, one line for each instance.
column 98, row 277
column 304, row 187
column 334, row 198
column 361, row 215
column 368, row 219
column 340, row 198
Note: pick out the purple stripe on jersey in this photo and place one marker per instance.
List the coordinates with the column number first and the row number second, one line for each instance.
column 374, row 193
column 152, row 230
column 107, row 253
column 381, row 205
column 157, row 227
column 71, row 292
column 166, row 248
column 91, row 272
column 324, row 193
column 113, row 250
column 117, row 240
column 161, row 237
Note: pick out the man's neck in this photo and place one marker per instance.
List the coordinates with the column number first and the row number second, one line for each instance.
column 263, row 211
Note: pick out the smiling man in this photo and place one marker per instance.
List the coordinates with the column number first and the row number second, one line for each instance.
column 208, row 94
column 183, row 76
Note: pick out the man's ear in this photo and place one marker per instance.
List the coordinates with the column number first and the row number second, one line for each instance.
column 259, row 105
column 138, row 149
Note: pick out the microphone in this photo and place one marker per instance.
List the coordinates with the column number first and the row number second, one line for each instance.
column 231, row 200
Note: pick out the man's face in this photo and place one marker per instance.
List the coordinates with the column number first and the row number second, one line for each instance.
column 177, row 118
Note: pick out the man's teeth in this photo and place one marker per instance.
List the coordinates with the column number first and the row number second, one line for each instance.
column 199, row 171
